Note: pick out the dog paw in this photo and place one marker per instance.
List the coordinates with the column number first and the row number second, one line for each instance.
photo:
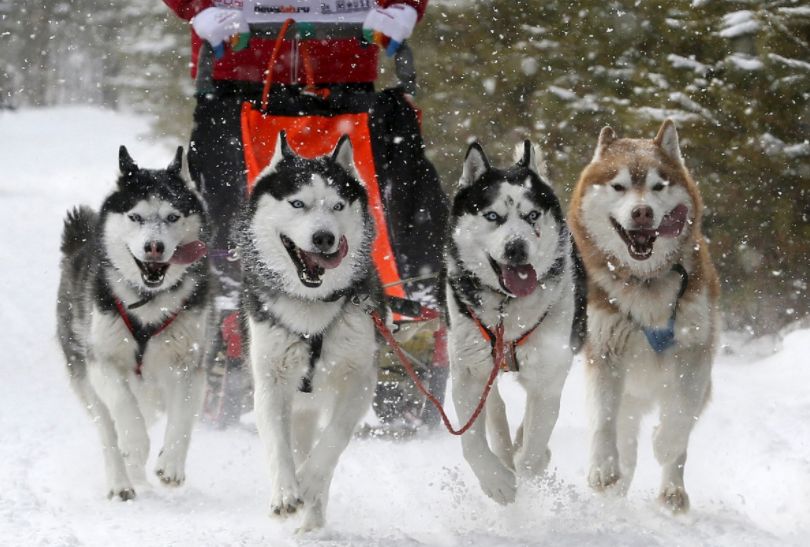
column 285, row 499
column 123, row 494
column 674, row 498
column 531, row 465
column 170, row 478
column 497, row 481
column 312, row 482
column 313, row 521
column 604, row 474
column 170, row 471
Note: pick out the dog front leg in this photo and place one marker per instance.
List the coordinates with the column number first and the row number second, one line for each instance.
column 352, row 401
column 112, row 385
column 117, row 480
column 681, row 404
column 498, row 427
column 184, row 401
column 496, row 480
column 605, row 382
column 543, row 392
column 273, row 406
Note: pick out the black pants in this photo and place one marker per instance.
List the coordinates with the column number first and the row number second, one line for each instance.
column 217, row 164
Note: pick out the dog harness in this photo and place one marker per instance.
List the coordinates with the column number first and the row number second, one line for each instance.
column 315, row 342
column 510, row 362
column 661, row 339
column 142, row 333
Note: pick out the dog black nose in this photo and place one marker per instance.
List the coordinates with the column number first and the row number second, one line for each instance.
column 323, row 240
column 642, row 216
column 154, row 248
column 515, row 251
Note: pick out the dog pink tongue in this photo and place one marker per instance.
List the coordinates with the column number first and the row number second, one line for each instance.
column 673, row 222
column 188, row 253
column 328, row 262
column 519, row 280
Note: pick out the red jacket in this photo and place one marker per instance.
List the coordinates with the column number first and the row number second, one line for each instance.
column 333, row 61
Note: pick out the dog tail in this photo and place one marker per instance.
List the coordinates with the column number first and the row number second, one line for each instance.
column 79, row 228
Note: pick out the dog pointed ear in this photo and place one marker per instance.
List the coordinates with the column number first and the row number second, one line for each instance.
column 529, row 156
column 525, row 155
column 667, row 140
column 606, row 138
column 475, row 165
column 343, row 155
column 125, row 162
column 176, row 166
column 281, row 152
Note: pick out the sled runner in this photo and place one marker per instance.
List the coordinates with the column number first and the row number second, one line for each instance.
column 405, row 196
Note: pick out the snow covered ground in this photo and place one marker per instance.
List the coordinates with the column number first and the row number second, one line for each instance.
column 748, row 472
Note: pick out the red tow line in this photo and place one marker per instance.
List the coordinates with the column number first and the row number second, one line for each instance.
column 497, row 363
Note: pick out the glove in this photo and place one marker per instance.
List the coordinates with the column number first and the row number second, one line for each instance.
column 215, row 25
column 389, row 27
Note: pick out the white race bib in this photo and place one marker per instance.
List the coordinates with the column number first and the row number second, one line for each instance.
column 305, row 11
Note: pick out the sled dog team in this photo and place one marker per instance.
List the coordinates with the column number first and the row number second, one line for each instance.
column 519, row 280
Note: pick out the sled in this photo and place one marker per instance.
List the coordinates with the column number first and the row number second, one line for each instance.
column 405, row 196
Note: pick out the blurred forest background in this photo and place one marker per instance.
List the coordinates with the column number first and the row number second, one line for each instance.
column 735, row 76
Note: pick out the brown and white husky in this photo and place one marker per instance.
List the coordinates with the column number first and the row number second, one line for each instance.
column 652, row 305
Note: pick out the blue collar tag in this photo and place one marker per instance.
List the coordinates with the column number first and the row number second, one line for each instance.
column 661, row 339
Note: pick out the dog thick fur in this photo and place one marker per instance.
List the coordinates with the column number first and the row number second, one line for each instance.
column 144, row 251
column 510, row 259
column 309, row 282
column 636, row 216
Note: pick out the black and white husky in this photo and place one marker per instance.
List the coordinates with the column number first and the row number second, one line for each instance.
column 510, row 264
column 132, row 317
column 305, row 243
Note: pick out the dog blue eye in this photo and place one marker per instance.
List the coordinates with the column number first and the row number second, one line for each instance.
column 172, row 218
column 338, row 206
column 618, row 187
column 491, row 216
column 658, row 187
column 136, row 218
column 297, row 203
column 534, row 215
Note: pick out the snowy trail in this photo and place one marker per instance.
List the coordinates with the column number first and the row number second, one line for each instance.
column 748, row 472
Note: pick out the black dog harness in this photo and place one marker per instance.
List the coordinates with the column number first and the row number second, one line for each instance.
column 315, row 342
column 142, row 333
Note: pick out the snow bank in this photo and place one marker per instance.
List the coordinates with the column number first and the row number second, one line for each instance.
column 748, row 464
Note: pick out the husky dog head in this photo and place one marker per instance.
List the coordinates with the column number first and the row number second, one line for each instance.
column 507, row 227
column 636, row 200
column 152, row 225
column 308, row 221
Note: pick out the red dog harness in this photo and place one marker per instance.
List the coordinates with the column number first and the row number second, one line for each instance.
column 142, row 333
column 510, row 362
